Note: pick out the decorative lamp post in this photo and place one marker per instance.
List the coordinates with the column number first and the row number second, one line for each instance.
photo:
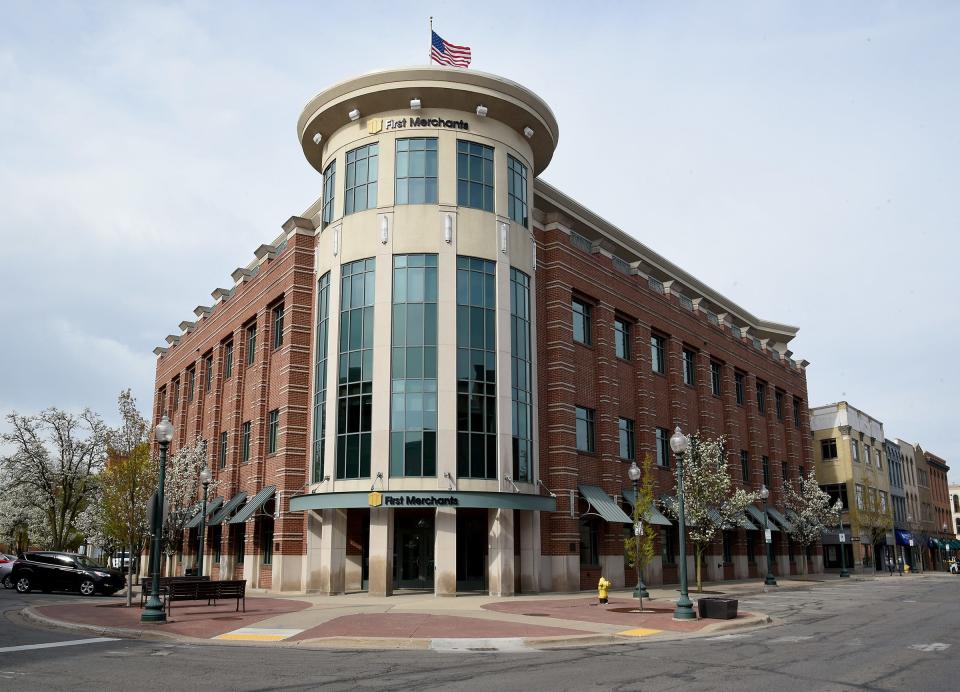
column 205, row 481
column 684, row 610
column 943, row 533
column 153, row 612
column 768, row 537
column 842, row 539
column 641, row 589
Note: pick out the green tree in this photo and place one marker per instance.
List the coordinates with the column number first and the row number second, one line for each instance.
column 639, row 546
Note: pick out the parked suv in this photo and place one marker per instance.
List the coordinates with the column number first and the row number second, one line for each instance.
column 49, row 571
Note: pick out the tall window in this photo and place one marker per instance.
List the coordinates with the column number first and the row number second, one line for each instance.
column 208, row 373
column 273, row 431
column 663, row 447
column 521, row 374
column 796, row 412
column 738, row 382
column 765, row 460
column 657, row 360
column 858, row 489
column 223, row 450
column 715, row 379
column 266, row 541
column 625, row 433
column 228, row 360
column 251, row 343
column 474, row 175
column 854, row 450
column 778, row 403
column 355, row 375
column 320, row 378
column 416, row 170
column 581, row 321
column 668, row 537
column 688, row 367
column 589, row 542
column 278, row 325
column 413, row 398
column 476, row 368
column 517, row 190
column 192, row 380
column 586, row 434
column 761, row 397
column 745, row 465
column 361, row 188
column 751, row 547
column 785, row 470
column 245, row 442
column 879, row 458
column 176, row 394
column 621, row 337
column 329, row 186
column 828, row 449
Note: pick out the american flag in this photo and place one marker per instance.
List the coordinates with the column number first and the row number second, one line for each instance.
column 448, row 54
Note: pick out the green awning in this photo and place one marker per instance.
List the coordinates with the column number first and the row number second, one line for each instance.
column 227, row 509
column 604, row 505
column 780, row 519
column 759, row 519
column 651, row 514
column 255, row 503
column 212, row 506
column 747, row 524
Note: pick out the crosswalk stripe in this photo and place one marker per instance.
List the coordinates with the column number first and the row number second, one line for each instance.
column 53, row 645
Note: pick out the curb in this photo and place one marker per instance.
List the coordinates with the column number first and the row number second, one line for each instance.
column 41, row 620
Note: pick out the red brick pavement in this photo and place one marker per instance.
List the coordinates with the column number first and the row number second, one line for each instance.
column 426, row 626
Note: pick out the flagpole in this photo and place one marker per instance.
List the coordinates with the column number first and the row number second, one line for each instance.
column 430, row 50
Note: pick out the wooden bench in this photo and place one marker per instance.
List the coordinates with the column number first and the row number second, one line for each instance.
column 210, row 591
column 164, row 583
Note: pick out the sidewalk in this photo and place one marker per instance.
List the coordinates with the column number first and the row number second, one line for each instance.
column 421, row 620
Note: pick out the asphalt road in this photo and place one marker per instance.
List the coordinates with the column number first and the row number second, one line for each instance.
column 892, row 633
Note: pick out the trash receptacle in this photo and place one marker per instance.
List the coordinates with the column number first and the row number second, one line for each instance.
column 717, row 608
column 190, row 572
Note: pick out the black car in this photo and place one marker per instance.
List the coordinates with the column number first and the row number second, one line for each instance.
column 49, row 571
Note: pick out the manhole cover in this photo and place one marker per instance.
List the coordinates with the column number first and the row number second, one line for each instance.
column 633, row 611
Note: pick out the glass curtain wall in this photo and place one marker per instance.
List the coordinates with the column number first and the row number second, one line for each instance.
column 476, row 369
column 413, row 398
column 355, row 375
column 320, row 377
column 521, row 367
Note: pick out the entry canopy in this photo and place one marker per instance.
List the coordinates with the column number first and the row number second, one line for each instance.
column 413, row 499
column 779, row 519
column 212, row 506
column 227, row 509
column 757, row 516
column 604, row 505
column 254, row 504
column 651, row 514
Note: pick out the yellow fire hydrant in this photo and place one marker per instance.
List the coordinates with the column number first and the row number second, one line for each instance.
column 602, row 587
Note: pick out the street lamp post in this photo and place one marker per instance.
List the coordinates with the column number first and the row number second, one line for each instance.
column 843, row 544
column 943, row 533
column 684, row 609
column 640, row 591
column 205, row 480
column 153, row 612
column 768, row 536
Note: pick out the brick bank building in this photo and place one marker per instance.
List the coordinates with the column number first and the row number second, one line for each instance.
column 437, row 376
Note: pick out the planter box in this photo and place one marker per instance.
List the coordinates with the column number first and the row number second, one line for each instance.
column 717, row 608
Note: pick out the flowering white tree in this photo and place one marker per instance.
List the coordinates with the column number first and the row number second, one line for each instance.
column 182, row 491
column 55, row 458
column 812, row 511
column 711, row 502
column 22, row 522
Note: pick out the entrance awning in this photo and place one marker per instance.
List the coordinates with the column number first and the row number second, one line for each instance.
column 604, row 505
column 227, row 509
column 651, row 514
column 414, row 499
column 758, row 518
column 212, row 506
column 779, row 519
column 255, row 503
column 747, row 524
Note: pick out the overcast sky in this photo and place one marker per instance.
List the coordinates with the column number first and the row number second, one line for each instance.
column 800, row 158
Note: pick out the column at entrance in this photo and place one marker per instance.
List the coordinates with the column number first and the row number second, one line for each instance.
column 381, row 552
column 529, row 551
column 333, row 551
column 500, row 569
column 445, row 552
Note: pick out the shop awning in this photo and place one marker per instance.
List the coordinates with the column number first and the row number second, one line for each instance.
column 604, row 505
column 212, row 506
column 415, row 499
column 779, row 519
column 903, row 537
column 651, row 514
column 934, row 543
column 747, row 524
column 227, row 509
column 757, row 517
column 255, row 503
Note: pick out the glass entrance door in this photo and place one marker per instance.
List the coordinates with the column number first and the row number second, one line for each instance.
column 413, row 549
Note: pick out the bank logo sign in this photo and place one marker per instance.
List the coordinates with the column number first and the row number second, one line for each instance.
column 377, row 125
column 375, row 499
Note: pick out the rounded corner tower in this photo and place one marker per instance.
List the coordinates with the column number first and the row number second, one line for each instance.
column 424, row 424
